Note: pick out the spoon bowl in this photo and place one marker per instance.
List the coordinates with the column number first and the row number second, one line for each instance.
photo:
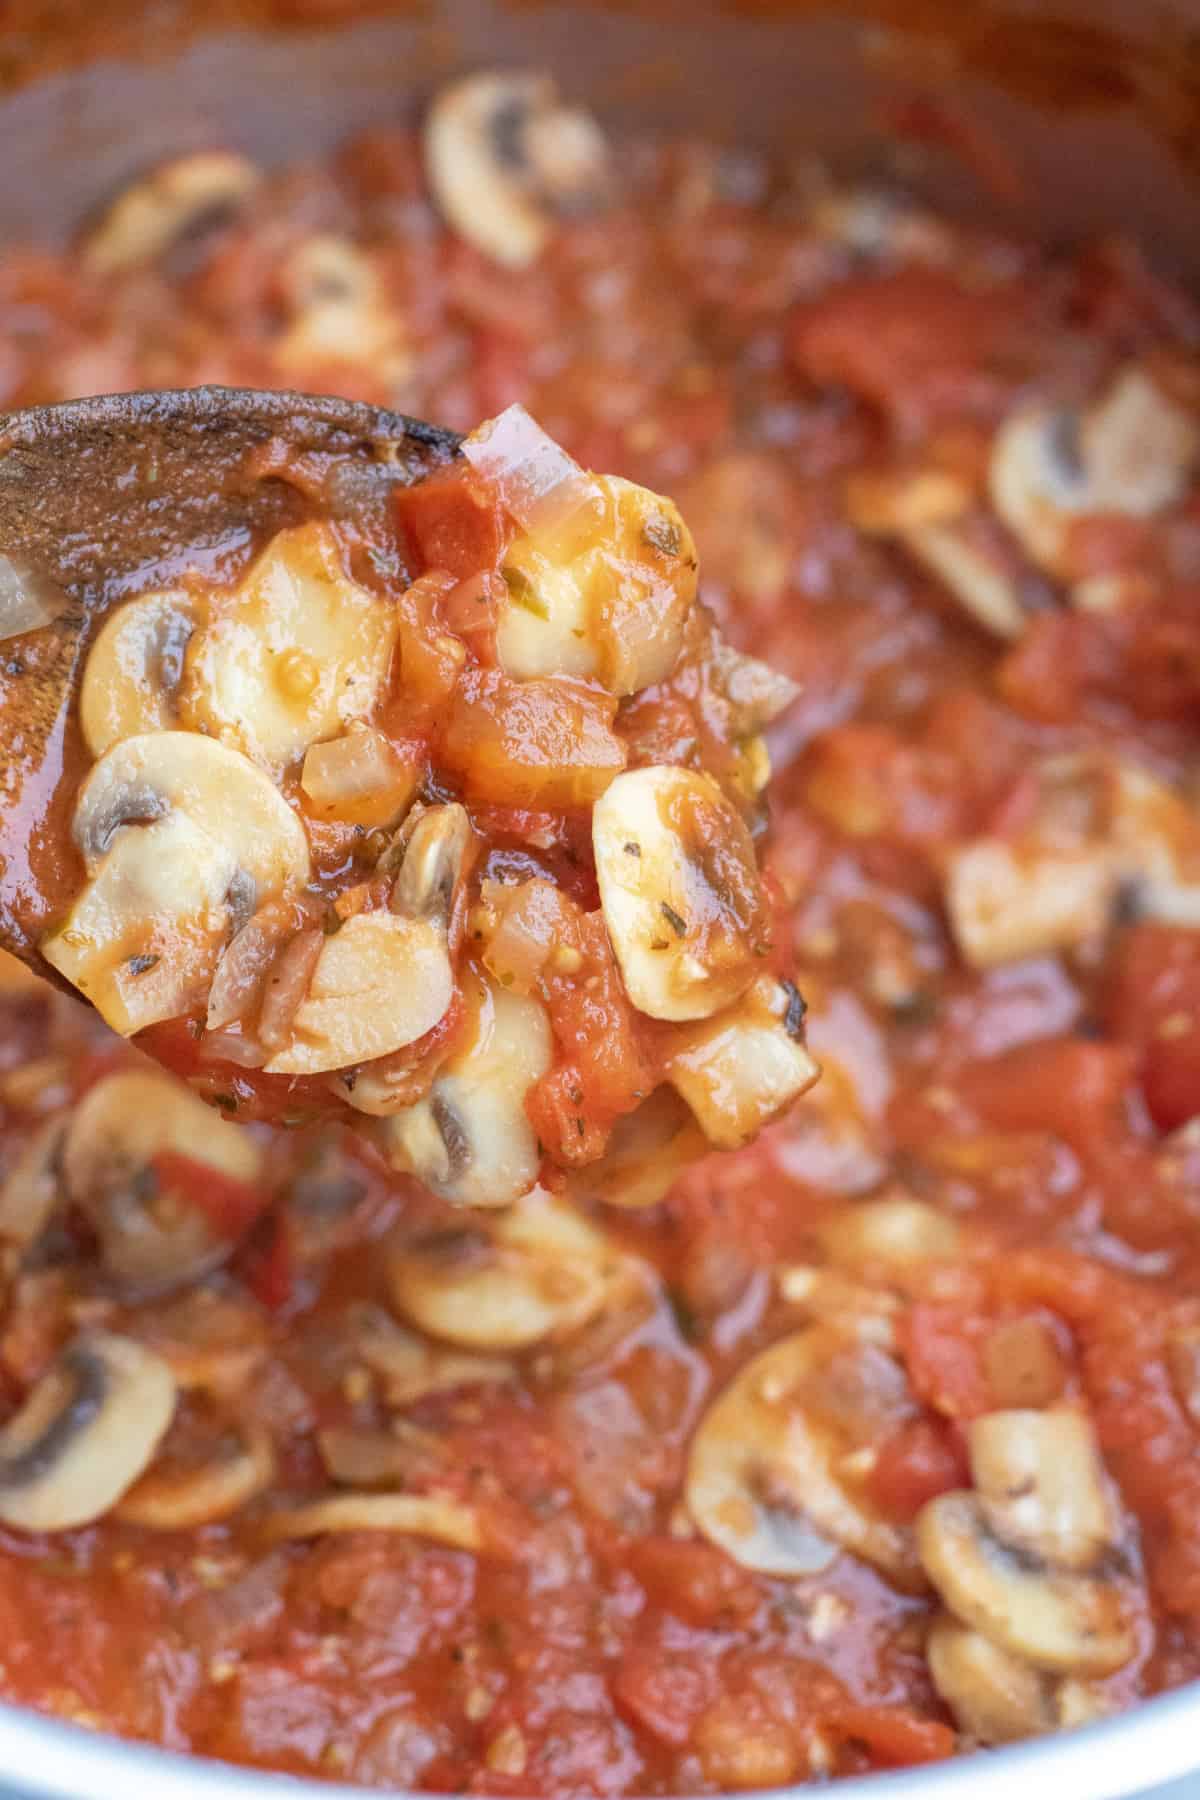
column 101, row 496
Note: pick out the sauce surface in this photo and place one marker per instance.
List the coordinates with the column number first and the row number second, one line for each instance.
column 982, row 831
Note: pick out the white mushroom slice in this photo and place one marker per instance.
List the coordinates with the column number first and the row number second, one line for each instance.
column 767, row 1477
column 436, row 849
column 292, row 654
column 470, row 1140
column 85, row 1434
column 33, row 1187
column 430, row 1516
column 606, row 594
column 172, row 200
column 206, row 1483
column 996, row 1698
column 985, row 589
column 408, row 1368
column 680, row 891
column 151, row 1238
column 181, row 838
column 380, row 982
column 1099, row 829
column 340, row 312
column 1057, row 1619
column 1041, row 1484
column 505, row 158
column 134, row 669
column 1156, row 839
column 744, row 1067
column 534, row 1272
column 1132, row 452
column 893, row 1230
column 646, row 1150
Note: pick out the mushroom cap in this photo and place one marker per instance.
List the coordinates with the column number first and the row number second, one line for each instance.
column 178, row 835
column 380, row 982
column 133, row 670
column 670, row 852
column 146, row 218
column 216, row 789
column 149, row 1238
column 509, row 1279
column 765, row 1479
column 86, row 1432
column 995, row 1697
column 1057, row 1619
column 290, row 655
column 470, row 1140
column 503, row 156
column 605, row 595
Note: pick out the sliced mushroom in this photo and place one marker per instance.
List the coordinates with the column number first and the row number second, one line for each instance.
column 744, row 1067
column 151, row 1237
column 646, row 1150
column 1041, row 1484
column 505, row 159
column 895, row 1229
column 1131, row 452
column 533, row 1273
column 175, row 199
column 87, row 1431
column 291, row 654
column 1058, row 1619
column 339, row 312
column 996, row 1698
column 380, row 982
column 768, row 1479
column 180, row 837
column 680, row 891
column 33, row 1188
column 470, row 1141
column 604, row 594
column 210, row 1341
column 202, row 1474
column 436, row 853
column 1099, row 831
column 972, row 572
column 134, row 668
column 432, row 1516
column 408, row 1368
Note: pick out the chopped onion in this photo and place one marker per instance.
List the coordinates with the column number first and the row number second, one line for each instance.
column 358, row 778
column 27, row 601
column 287, row 985
column 538, row 483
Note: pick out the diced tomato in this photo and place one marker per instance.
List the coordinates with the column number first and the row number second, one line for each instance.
column 923, row 1458
column 230, row 1206
column 1154, row 1005
column 542, row 743
column 693, row 1581
column 1073, row 1088
column 941, row 1348
column 892, row 1735
column 453, row 522
column 604, row 1070
column 266, row 1265
column 868, row 781
column 1145, row 656
column 664, row 1690
column 921, row 345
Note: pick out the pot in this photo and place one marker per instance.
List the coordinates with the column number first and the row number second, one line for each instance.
column 1067, row 116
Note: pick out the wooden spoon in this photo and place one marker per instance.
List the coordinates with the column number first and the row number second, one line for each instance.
column 101, row 497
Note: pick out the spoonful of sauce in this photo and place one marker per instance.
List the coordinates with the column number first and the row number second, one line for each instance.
column 356, row 770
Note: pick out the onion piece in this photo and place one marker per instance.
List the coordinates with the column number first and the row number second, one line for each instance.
column 358, row 778
column 415, row 1515
column 537, row 482
column 28, row 601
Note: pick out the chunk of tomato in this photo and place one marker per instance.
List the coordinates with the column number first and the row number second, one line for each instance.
column 1154, row 1006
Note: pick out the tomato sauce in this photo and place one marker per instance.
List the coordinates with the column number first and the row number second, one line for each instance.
column 715, row 335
